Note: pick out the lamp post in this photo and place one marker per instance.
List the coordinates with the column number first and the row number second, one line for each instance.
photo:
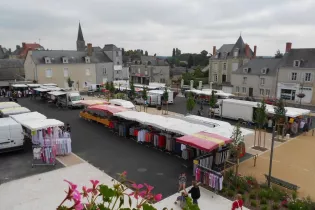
column 274, row 133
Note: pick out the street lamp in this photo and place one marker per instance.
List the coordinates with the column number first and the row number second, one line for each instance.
column 274, row 133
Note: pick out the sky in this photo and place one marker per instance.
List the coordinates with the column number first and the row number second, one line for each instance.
column 159, row 26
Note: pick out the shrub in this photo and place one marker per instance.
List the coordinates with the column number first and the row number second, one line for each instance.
column 275, row 206
column 264, row 207
column 253, row 203
column 264, row 186
column 244, row 198
column 263, row 193
column 294, row 195
column 263, row 201
column 252, row 195
column 231, row 193
column 241, row 191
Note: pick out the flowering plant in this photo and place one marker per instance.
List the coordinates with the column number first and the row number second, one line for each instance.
column 103, row 197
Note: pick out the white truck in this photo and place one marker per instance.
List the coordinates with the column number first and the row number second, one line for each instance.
column 70, row 99
column 236, row 109
column 11, row 135
column 161, row 92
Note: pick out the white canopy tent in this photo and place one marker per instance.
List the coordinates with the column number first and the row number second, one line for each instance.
column 42, row 124
column 20, row 118
column 5, row 105
column 92, row 102
column 33, row 85
column 41, row 90
column 19, row 86
column 50, row 84
column 57, row 93
column 14, row 110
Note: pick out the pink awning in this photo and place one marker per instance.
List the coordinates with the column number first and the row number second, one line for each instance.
column 108, row 108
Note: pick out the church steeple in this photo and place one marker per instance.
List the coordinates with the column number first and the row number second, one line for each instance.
column 80, row 40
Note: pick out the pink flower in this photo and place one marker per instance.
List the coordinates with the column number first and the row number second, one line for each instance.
column 143, row 193
column 124, row 173
column 158, row 197
column 85, row 191
column 149, row 187
column 94, row 183
column 137, row 187
column 72, row 189
column 79, row 207
column 134, row 194
column 72, row 186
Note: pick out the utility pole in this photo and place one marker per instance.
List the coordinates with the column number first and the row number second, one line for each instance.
column 274, row 133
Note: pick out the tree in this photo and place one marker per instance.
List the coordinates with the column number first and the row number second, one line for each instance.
column 154, row 54
column 165, row 99
column 237, row 143
column 107, row 86
column 178, row 52
column 123, row 51
column 278, row 54
column 146, row 53
column 111, row 88
column 212, row 102
column 260, row 119
column 132, row 90
column 190, row 103
column 173, row 55
column 70, row 82
column 280, row 115
column 141, row 51
column 204, row 53
column 190, row 61
column 144, row 97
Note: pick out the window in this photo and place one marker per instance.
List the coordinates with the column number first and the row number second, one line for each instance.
column 262, row 81
column 235, row 53
column 65, row 60
column 244, row 80
column 267, row 92
column 48, row 73
column 237, row 89
column 293, row 76
column 307, row 77
column 224, row 66
column 87, row 72
column 215, row 66
column 104, row 70
column 215, row 78
column 65, row 72
column 162, row 80
column 146, row 72
column 234, row 66
column 244, row 89
column 87, row 60
column 118, row 63
column 138, row 70
column 117, row 53
column 296, row 63
column 262, row 91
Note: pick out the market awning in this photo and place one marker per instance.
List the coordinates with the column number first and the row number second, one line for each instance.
column 42, row 124
column 204, row 141
column 19, row 85
column 57, row 93
column 41, row 90
column 33, row 85
column 92, row 102
column 14, row 110
column 108, row 108
column 20, row 118
column 4, row 105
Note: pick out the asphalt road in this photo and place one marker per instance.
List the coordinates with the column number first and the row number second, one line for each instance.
column 112, row 154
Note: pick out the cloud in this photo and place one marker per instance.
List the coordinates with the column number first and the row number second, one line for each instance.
column 158, row 26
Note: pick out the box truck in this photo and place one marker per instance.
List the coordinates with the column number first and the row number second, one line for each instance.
column 11, row 135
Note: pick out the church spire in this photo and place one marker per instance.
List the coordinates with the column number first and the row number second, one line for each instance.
column 80, row 34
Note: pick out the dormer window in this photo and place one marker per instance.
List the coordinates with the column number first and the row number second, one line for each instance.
column 87, row 59
column 246, row 70
column 264, row 70
column 296, row 63
column 64, row 60
column 235, row 53
column 47, row 60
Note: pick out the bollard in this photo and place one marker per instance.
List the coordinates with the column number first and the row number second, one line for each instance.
column 313, row 132
column 255, row 158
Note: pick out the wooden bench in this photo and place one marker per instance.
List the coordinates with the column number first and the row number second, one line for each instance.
column 282, row 183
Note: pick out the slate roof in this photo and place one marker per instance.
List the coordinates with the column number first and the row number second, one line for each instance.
column 226, row 48
column 257, row 64
column 180, row 70
column 80, row 34
column 11, row 69
column 305, row 55
column 110, row 47
column 73, row 56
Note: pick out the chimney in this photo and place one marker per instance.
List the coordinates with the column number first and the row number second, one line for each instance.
column 214, row 50
column 89, row 49
column 288, row 47
column 23, row 45
column 255, row 51
column 247, row 50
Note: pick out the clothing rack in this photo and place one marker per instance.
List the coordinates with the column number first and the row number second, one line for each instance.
column 210, row 178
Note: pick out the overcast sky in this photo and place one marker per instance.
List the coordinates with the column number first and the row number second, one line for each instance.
column 159, row 25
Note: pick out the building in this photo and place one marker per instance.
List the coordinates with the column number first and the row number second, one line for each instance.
column 226, row 60
column 21, row 52
column 121, row 74
column 297, row 75
column 57, row 66
column 4, row 53
column 149, row 69
column 257, row 78
column 11, row 70
column 80, row 40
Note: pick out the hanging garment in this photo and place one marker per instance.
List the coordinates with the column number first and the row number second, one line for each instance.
column 162, row 142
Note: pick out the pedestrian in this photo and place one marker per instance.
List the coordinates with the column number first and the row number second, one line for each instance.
column 270, row 124
column 301, row 127
column 182, row 182
column 195, row 192
column 182, row 199
column 68, row 128
column 238, row 203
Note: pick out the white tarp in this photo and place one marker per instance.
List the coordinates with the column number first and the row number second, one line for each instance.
column 57, row 93
column 33, row 85
column 4, row 105
column 14, row 110
column 19, row 85
column 50, row 84
column 123, row 103
column 42, row 124
column 20, row 118
column 92, row 102
column 41, row 90
column 290, row 111
column 52, row 88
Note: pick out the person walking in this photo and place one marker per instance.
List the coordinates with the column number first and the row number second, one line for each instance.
column 182, row 182
column 195, row 192
column 238, row 203
column 182, row 199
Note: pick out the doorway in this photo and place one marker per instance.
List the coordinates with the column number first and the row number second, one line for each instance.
column 223, row 78
column 250, row 92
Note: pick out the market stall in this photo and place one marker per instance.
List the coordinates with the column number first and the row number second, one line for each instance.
column 5, row 105
column 28, row 117
column 87, row 103
column 13, row 111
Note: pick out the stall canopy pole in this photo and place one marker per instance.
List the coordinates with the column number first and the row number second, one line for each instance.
column 274, row 133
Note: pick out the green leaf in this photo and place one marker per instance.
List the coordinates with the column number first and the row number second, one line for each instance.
column 106, row 192
column 102, row 207
column 122, row 201
column 130, row 201
column 148, row 207
column 62, row 208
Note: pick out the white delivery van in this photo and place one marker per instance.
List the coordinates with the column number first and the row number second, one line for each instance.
column 153, row 100
column 12, row 111
column 236, row 109
column 161, row 92
column 67, row 99
column 11, row 135
column 94, row 87
column 5, row 105
column 120, row 102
